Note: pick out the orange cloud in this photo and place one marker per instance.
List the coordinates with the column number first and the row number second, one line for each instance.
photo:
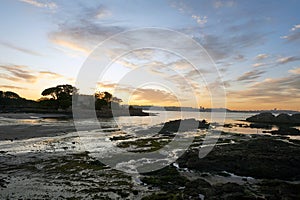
column 70, row 45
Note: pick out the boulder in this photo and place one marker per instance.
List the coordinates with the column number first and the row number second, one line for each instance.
column 262, row 118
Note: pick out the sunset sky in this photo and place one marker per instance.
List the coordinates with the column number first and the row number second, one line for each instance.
column 255, row 46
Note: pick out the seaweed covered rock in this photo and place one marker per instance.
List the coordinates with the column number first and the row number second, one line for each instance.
column 259, row 158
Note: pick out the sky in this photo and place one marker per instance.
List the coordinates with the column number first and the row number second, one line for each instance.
column 248, row 50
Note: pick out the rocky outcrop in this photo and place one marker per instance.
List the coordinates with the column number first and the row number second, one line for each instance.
column 183, row 125
column 286, row 131
column 271, row 119
column 264, row 158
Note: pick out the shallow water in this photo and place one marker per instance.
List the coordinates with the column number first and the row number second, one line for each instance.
column 26, row 161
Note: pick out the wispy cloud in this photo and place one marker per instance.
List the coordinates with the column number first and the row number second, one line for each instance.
column 294, row 35
column 75, row 46
column 18, row 73
column 153, row 97
column 258, row 64
column 85, row 30
column 39, row 4
column 261, row 56
column 103, row 13
column 18, row 48
column 250, row 76
column 201, row 20
column 11, row 87
column 223, row 3
column 270, row 91
column 295, row 71
column 288, row 59
column 50, row 74
column 220, row 48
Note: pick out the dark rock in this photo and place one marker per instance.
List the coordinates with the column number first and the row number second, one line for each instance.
column 286, row 131
column 259, row 125
column 259, row 158
column 296, row 118
column 167, row 179
column 283, row 118
column 274, row 189
column 262, row 118
column 3, row 183
column 227, row 125
column 183, row 125
column 269, row 118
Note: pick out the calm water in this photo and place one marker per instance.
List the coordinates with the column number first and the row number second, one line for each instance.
column 112, row 127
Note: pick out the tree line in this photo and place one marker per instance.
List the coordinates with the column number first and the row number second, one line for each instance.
column 58, row 97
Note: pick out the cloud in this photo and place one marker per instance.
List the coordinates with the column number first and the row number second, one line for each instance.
column 84, row 31
column 261, row 56
column 258, row 64
column 18, row 73
column 219, row 47
column 50, row 74
column 69, row 44
column 200, row 20
column 295, row 27
column 105, row 86
column 10, row 87
column 270, row 91
column 21, row 49
column 196, row 73
column 250, row 76
column 39, row 4
column 288, row 59
column 295, row 71
column 153, row 97
column 239, row 57
column 102, row 13
column 220, row 3
column 294, row 35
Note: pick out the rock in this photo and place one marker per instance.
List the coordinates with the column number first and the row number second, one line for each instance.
column 183, row 125
column 265, row 158
column 286, row 131
column 259, row 125
column 296, row 118
column 269, row 118
column 283, row 118
column 262, row 118
column 3, row 183
column 227, row 125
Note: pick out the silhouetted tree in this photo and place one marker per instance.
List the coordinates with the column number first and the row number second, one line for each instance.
column 50, row 91
column 9, row 95
column 62, row 94
column 105, row 99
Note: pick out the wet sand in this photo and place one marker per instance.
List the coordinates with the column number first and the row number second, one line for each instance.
column 27, row 130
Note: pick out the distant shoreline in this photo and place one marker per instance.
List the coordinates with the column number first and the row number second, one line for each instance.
column 50, row 113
